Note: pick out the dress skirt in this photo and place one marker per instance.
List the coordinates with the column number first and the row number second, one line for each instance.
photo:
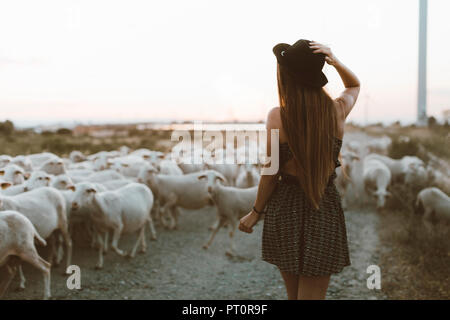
column 299, row 239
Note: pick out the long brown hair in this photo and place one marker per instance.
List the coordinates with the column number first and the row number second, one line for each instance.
column 309, row 120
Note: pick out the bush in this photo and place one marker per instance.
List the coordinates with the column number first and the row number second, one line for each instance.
column 64, row 131
column 432, row 122
column 6, row 127
column 400, row 148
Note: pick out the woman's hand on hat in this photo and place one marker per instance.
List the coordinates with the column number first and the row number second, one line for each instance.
column 321, row 48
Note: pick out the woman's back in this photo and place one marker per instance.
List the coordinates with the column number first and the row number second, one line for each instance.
column 286, row 160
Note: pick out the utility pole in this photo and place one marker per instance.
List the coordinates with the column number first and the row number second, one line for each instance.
column 422, row 83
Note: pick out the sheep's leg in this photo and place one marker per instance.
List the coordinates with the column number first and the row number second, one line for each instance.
column 93, row 234
column 22, row 277
column 51, row 247
column 100, row 251
column 156, row 211
column 162, row 216
column 105, row 244
column 213, row 234
column 115, row 240
column 344, row 197
column 143, row 242
column 68, row 243
column 60, row 251
column 11, row 270
column 230, row 252
column 427, row 220
column 32, row 257
column 152, row 228
column 132, row 254
column 214, row 225
column 168, row 209
column 176, row 214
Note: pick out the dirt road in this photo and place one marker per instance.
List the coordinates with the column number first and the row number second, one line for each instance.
column 176, row 267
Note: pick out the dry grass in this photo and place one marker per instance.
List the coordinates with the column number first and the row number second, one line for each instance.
column 414, row 263
column 27, row 142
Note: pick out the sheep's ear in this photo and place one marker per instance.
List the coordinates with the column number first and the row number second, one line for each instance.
column 356, row 157
column 202, row 177
column 161, row 156
column 5, row 185
column 2, row 172
column 26, row 175
column 91, row 190
column 72, row 187
column 221, row 179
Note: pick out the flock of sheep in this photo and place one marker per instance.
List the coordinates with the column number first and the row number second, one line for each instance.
column 54, row 200
column 109, row 193
column 378, row 172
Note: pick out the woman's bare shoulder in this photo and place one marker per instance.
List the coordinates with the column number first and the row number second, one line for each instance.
column 274, row 118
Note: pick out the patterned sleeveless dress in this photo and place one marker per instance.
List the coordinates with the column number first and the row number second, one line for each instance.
column 298, row 238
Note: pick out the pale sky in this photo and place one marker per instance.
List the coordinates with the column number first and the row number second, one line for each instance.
column 145, row 60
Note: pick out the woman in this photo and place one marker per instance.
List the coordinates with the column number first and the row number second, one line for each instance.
column 304, row 232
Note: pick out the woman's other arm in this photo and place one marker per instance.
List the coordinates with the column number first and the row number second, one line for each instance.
column 267, row 183
column 348, row 97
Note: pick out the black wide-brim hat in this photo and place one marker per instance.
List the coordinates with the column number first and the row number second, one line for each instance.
column 300, row 61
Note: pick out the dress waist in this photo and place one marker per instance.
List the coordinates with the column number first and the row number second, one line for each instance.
column 291, row 179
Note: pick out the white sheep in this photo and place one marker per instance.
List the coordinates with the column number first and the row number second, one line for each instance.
column 344, row 173
column 229, row 171
column 77, row 156
column 14, row 174
column 53, row 166
column 83, row 166
column 46, row 209
column 173, row 191
column 353, row 146
column 379, row 145
column 125, row 210
column 396, row 166
column 17, row 236
column 36, row 180
column 5, row 160
column 232, row 204
column 116, row 184
column 376, row 177
column 62, row 182
column 416, row 176
column 37, row 159
column 128, row 166
column 188, row 167
column 98, row 176
column 248, row 177
column 24, row 162
column 435, row 206
column 169, row 167
column 148, row 155
column 124, row 150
